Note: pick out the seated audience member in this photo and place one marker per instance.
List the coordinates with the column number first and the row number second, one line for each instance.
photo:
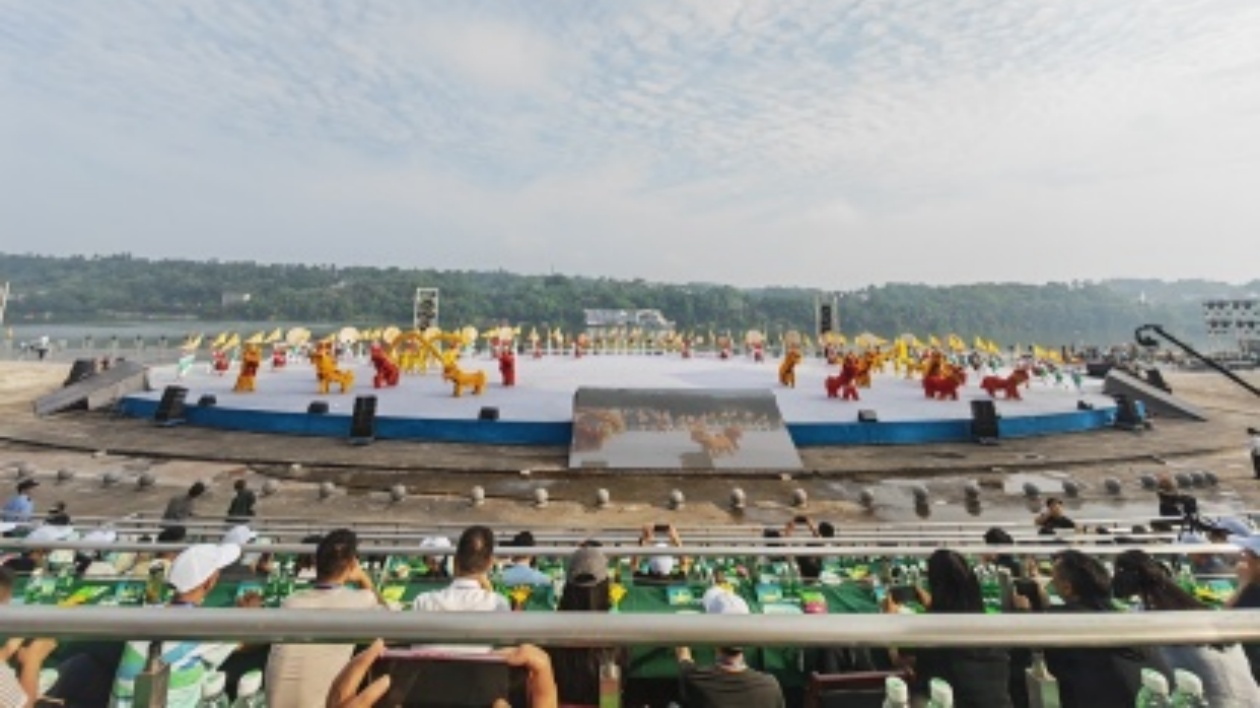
column 57, row 515
column 1173, row 503
column 299, row 675
column 144, row 564
column 1247, row 596
column 183, row 506
column 471, row 590
column 520, row 571
column 660, row 567
column 21, row 508
column 1091, row 677
column 1227, row 529
column 304, row 567
column 1053, row 518
column 94, row 564
column 979, row 676
column 585, row 590
column 251, row 565
column 809, row 567
column 435, row 567
column 36, row 557
column 348, row 691
column 730, row 683
column 1204, row 563
column 1224, row 670
column 194, row 573
column 20, row 688
column 999, row 537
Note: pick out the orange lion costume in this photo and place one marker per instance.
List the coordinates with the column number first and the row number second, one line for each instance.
column 251, row 359
column 326, row 371
column 787, row 369
column 1009, row 385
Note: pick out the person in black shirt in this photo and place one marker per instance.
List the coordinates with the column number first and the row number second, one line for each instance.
column 730, row 683
column 57, row 515
column 1172, row 503
column 241, row 509
column 1053, row 517
column 999, row 537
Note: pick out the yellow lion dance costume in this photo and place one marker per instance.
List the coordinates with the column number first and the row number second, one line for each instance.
column 251, row 359
column 327, row 373
column 476, row 380
column 787, row 369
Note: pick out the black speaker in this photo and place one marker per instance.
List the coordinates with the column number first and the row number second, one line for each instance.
column 488, row 413
column 866, row 415
column 824, row 318
column 363, row 421
column 317, row 408
column 1084, row 406
column 82, row 369
column 170, row 409
column 984, row 420
column 208, row 400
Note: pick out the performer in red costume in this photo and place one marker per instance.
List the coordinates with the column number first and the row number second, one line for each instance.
column 279, row 358
column 507, row 366
column 221, row 362
column 759, row 352
column 386, row 369
column 845, row 385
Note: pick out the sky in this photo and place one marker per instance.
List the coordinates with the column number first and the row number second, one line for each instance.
column 788, row 142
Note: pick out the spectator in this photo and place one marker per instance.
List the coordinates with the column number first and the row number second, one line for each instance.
column 1095, row 677
column 305, row 565
column 299, row 675
column 980, row 677
column 435, row 567
column 1227, row 528
column 1204, row 563
column 585, row 590
column 1255, row 450
column 999, row 537
column 193, row 575
column 1053, row 518
column 809, row 567
column 21, row 689
column 93, row 564
column 35, row 557
column 251, row 565
column 730, row 683
column 21, row 507
column 1247, row 596
column 659, row 567
column 520, row 571
column 57, row 515
column 471, row 590
column 1223, row 669
column 169, row 534
column 241, row 509
column 181, row 507
column 1171, row 503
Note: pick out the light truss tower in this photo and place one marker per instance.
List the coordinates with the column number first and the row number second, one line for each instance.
column 425, row 309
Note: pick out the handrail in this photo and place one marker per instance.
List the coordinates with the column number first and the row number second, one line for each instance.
column 1093, row 629
column 635, row 550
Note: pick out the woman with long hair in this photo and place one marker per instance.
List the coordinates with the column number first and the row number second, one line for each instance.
column 1224, row 669
column 585, row 590
column 978, row 676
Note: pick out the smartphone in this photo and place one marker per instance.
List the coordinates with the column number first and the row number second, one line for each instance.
column 429, row 678
column 1029, row 589
column 661, row 528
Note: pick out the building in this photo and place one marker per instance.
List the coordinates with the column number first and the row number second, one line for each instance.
column 232, row 298
column 602, row 322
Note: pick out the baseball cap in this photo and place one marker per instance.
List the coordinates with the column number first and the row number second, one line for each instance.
column 435, row 542
column 196, row 564
column 239, row 535
column 26, row 484
column 1191, row 539
column 1233, row 526
column 720, row 601
column 587, row 566
column 6, row 527
column 1250, row 544
column 661, row 565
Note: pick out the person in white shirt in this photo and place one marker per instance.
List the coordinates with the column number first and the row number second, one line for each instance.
column 471, row 590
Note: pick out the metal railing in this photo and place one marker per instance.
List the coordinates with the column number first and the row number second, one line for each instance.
column 1095, row 629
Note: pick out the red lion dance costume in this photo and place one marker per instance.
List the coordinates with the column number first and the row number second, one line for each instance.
column 386, row 369
column 944, row 386
column 507, row 366
column 221, row 362
column 845, row 385
column 1010, row 385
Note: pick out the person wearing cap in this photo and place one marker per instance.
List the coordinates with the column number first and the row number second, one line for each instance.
column 1053, row 518
column 729, row 683
column 251, row 565
column 660, row 567
column 193, row 575
column 1247, row 596
column 242, row 507
column 435, row 567
column 471, row 590
column 182, row 507
column 21, row 507
column 521, row 571
column 35, row 557
column 299, row 675
column 586, row 588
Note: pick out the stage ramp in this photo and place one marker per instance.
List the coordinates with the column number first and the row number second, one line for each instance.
column 681, row 429
column 1156, row 400
column 100, row 390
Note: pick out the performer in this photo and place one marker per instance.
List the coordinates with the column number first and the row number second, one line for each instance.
column 507, row 366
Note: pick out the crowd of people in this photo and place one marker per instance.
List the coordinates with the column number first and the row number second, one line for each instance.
column 303, row 675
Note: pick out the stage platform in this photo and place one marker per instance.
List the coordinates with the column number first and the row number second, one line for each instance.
column 539, row 409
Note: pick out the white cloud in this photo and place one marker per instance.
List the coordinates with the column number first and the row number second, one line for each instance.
column 768, row 141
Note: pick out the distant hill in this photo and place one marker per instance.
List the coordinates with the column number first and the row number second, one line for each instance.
column 122, row 287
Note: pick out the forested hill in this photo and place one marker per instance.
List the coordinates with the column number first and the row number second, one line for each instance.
column 121, row 287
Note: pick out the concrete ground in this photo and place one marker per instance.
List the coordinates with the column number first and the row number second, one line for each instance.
column 438, row 477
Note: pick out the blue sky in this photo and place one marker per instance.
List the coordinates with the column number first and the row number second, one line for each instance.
column 812, row 143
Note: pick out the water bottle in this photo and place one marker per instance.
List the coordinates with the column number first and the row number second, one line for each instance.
column 1189, row 690
column 1154, row 693
column 155, row 587
column 214, row 691
column 609, row 685
column 940, row 694
column 896, row 693
column 249, row 691
column 1043, row 687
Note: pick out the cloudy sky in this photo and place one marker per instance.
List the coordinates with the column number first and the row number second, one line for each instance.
column 788, row 142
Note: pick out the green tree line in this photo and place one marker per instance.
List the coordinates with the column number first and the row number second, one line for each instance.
column 122, row 287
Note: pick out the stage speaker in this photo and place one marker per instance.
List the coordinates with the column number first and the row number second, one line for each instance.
column 825, row 318
column 363, row 420
column 1084, row 406
column 317, row 408
column 1130, row 414
column 866, row 415
column 208, row 400
column 984, row 420
column 170, row 409
column 488, row 413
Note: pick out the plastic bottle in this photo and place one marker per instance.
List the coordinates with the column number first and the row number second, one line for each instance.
column 1189, row 690
column 249, row 692
column 896, row 693
column 155, row 587
column 1043, row 687
column 940, row 694
column 1154, row 693
column 214, row 691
